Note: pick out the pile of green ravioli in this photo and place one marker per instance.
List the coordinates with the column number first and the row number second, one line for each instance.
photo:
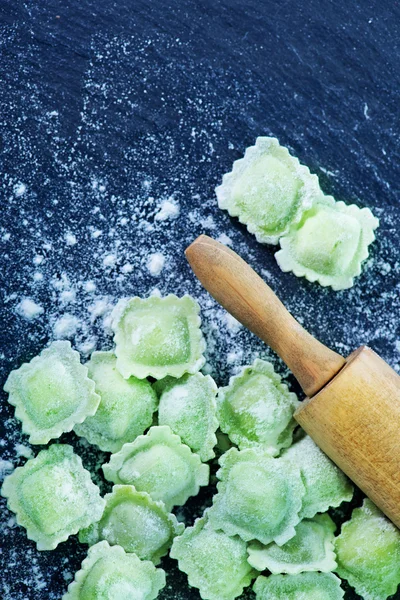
column 147, row 403
column 280, row 201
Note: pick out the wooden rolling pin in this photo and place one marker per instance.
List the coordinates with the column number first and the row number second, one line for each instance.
column 353, row 406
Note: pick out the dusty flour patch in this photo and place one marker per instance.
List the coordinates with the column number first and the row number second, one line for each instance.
column 6, row 467
column 169, row 209
column 156, row 263
column 29, row 309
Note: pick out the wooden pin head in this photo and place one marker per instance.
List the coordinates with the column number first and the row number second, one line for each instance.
column 353, row 407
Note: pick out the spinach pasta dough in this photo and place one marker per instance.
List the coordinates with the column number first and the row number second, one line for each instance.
column 279, row 200
column 127, row 515
column 188, row 407
column 215, row 563
column 311, row 549
column 267, row 190
column 158, row 337
column 256, row 409
column 126, row 406
column 53, row 496
column 368, row 553
column 266, row 514
column 306, row 586
column 110, row 573
column 52, row 393
column 329, row 243
column 158, row 463
column 259, row 497
column 326, row 485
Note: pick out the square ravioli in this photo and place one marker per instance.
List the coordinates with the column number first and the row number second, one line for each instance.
column 326, row 486
column 329, row 243
column 311, row 549
column 51, row 393
column 259, row 497
column 188, row 407
column 109, row 573
column 157, row 337
column 126, row 407
column 267, row 189
column 368, row 553
column 215, row 563
column 53, row 496
column 305, row 586
column 256, row 409
column 127, row 514
column 159, row 464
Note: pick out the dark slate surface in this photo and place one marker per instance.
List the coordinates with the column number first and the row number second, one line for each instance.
column 106, row 105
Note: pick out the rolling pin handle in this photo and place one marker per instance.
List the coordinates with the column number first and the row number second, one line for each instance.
column 234, row 284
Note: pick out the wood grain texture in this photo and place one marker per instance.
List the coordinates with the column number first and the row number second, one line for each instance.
column 238, row 288
column 355, row 420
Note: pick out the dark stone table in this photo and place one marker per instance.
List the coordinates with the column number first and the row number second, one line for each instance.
column 113, row 110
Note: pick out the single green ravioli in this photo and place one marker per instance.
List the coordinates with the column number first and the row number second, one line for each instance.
column 215, row 563
column 158, row 336
column 53, row 496
column 368, row 553
column 259, row 497
column 159, row 464
column 109, row 573
column 51, row 393
column 126, row 407
column 133, row 520
column 311, row 549
column 326, row 485
column 256, row 409
column 306, row 586
column 329, row 243
column 268, row 189
column 188, row 407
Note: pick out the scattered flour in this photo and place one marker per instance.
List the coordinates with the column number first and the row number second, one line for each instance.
column 88, row 346
column 101, row 307
column 61, row 282
column 70, row 239
column 66, row 326
column 127, row 268
column 68, row 296
column 169, row 209
column 89, row 286
column 19, row 189
column 24, row 451
column 110, row 261
column 224, row 239
column 38, row 259
column 234, row 358
column 208, row 223
column 29, row 309
column 6, row 467
column 232, row 323
column 156, row 263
